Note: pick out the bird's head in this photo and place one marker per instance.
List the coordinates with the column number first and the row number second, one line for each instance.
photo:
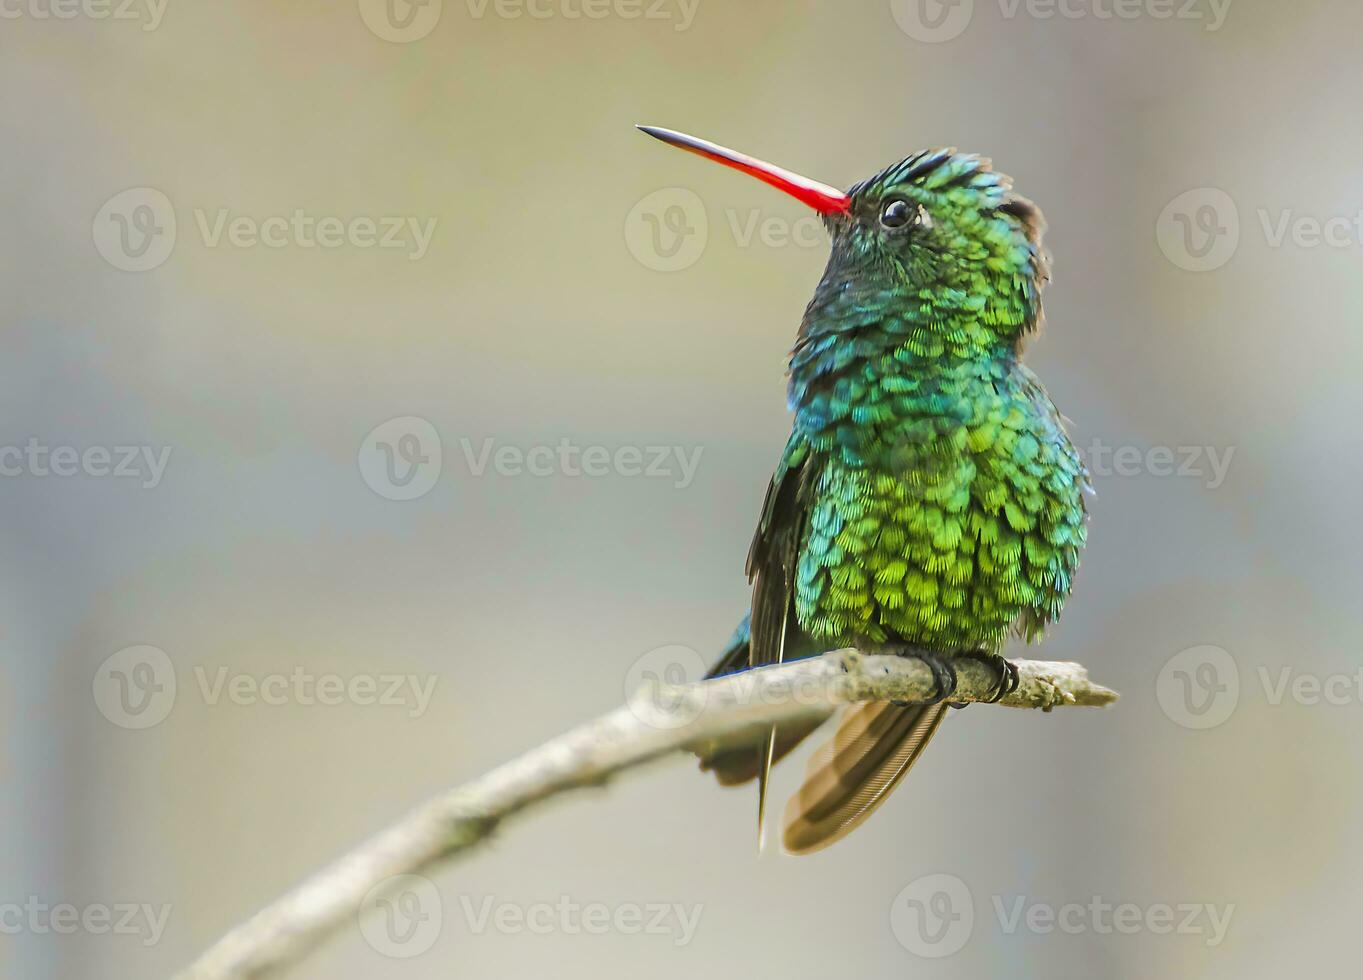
column 937, row 242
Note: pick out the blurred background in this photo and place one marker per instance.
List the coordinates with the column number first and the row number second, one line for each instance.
column 376, row 403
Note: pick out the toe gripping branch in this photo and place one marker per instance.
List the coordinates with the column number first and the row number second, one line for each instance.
column 943, row 673
column 1006, row 669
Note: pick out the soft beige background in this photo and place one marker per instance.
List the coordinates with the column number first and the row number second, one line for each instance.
column 528, row 599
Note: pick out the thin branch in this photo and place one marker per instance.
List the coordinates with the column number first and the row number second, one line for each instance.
column 729, row 711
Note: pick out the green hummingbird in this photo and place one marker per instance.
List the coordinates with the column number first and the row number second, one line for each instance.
column 929, row 501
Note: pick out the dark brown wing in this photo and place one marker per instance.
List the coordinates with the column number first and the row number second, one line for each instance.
column 772, row 561
column 772, row 558
column 853, row 773
column 733, row 767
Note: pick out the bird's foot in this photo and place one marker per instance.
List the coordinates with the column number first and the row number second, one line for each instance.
column 1007, row 671
column 943, row 673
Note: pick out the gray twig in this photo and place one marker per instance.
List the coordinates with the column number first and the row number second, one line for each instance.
column 661, row 719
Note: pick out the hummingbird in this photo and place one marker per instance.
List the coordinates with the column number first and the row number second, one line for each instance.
column 929, row 502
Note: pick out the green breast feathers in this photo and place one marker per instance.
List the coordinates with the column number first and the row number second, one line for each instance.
column 940, row 512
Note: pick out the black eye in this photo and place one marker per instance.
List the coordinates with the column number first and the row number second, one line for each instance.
column 897, row 213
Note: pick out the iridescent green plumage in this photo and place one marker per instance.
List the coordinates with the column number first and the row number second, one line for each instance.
column 928, row 499
column 939, row 499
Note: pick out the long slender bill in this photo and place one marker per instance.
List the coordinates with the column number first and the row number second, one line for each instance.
column 820, row 197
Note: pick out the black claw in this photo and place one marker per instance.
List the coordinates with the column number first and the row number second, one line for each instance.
column 1007, row 671
column 942, row 672
column 1011, row 681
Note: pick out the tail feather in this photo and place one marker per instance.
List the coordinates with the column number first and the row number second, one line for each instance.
column 769, row 746
column 735, row 767
column 853, row 773
column 873, row 748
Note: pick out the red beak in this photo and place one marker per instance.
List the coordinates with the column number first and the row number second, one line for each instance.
column 820, row 197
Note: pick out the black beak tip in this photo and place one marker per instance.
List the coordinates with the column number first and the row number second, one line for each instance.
column 682, row 141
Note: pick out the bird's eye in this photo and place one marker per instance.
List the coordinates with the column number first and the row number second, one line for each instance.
column 898, row 212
